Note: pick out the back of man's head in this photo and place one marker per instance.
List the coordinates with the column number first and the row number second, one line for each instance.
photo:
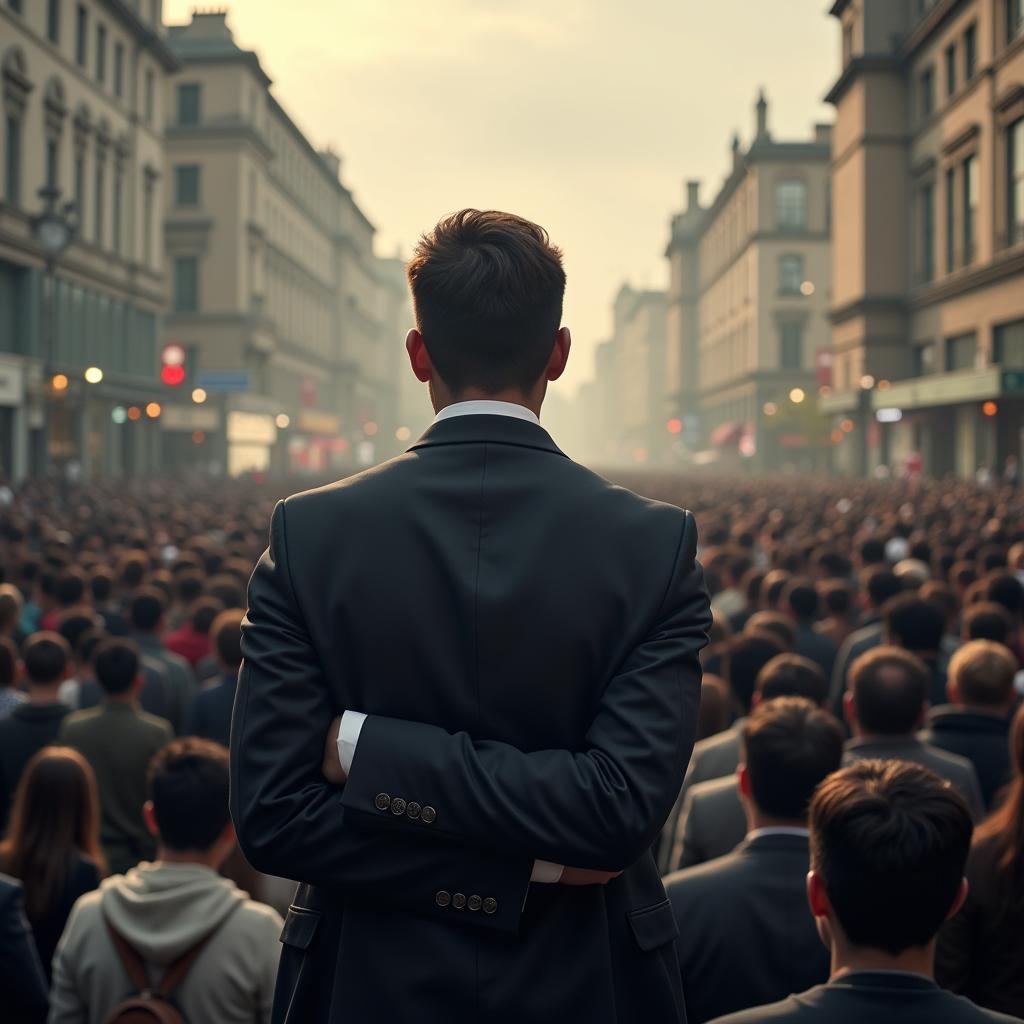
column 981, row 674
column 773, row 624
column 746, row 655
column 882, row 585
column 188, row 784
column 791, row 675
column 987, row 620
column 789, row 745
column 888, row 687
column 11, row 603
column 1004, row 588
column 836, row 598
column 70, row 589
column 913, row 624
column 801, row 599
column 487, row 289
column 146, row 610
column 116, row 664
column 889, row 841
column 226, row 637
column 46, row 657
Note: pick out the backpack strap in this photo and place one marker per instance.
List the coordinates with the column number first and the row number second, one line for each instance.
column 176, row 972
column 130, row 959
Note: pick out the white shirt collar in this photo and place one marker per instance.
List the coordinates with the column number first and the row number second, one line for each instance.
column 487, row 408
column 780, row 830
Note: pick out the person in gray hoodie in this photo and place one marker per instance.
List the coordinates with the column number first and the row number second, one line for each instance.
column 165, row 909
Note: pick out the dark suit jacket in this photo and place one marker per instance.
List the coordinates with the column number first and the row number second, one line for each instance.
column 746, row 933
column 957, row 770
column 210, row 714
column 872, row 998
column 712, row 823
column 23, row 733
column 24, row 993
column 525, row 639
column 983, row 739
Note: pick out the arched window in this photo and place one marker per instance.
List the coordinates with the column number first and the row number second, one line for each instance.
column 16, row 88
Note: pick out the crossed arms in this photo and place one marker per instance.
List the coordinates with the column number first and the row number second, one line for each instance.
column 496, row 809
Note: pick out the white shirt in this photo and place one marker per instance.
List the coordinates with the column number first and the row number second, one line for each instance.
column 352, row 721
column 778, row 830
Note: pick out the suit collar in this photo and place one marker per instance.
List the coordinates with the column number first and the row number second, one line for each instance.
column 487, row 429
column 774, row 841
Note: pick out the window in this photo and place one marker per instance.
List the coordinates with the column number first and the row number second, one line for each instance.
column 970, row 186
column 1008, row 344
column 926, row 207
column 119, row 70
column 950, row 220
column 51, row 163
column 970, row 52
column 80, row 184
column 147, row 220
column 81, row 27
column 1015, row 181
column 98, row 203
column 118, row 204
column 189, row 104
column 12, row 165
column 150, row 96
column 791, row 205
column 926, row 93
column 924, row 359
column 53, row 21
column 961, row 351
column 791, row 274
column 186, row 284
column 1014, row 20
column 950, row 70
column 101, row 53
column 791, row 346
column 186, row 185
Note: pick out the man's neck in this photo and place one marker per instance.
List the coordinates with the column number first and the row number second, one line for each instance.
column 43, row 694
column 990, row 712
column 124, row 699
column 511, row 396
column 852, row 959
column 204, row 858
column 757, row 820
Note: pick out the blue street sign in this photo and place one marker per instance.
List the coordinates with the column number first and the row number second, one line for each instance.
column 220, row 381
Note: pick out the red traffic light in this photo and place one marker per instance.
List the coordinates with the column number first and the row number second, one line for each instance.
column 172, row 376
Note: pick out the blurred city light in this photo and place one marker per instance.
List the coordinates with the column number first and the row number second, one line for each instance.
column 93, row 375
column 199, row 396
column 153, row 410
column 283, row 421
column 797, row 395
column 59, row 382
column 119, row 414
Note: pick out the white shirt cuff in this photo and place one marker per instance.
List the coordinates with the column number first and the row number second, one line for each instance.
column 546, row 873
column 348, row 737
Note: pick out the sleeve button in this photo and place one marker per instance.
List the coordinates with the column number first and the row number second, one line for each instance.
column 443, row 898
column 459, row 901
column 382, row 801
column 412, row 809
column 474, row 903
column 428, row 815
column 398, row 806
column 490, row 905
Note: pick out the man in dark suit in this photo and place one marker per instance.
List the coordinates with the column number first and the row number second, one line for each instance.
column 976, row 722
column 889, row 842
column 885, row 707
column 746, row 936
column 23, row 987
column 713, row 822
column 512, row 645
column 210, row 715
column 801, row 601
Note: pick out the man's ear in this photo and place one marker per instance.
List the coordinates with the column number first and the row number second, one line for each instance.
column 755, row 699
column 150, row 818
column 961, row 896
column 743, row 780
column 817, row 897
column 419, row 358
column 559, row 355
column 849, row 708
column 953, row 691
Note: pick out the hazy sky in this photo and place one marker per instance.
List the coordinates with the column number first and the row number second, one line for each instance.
column 584, row 115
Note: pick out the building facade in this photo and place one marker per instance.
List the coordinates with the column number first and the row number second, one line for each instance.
column 928, row 191
column 83, row 93
column 277, row 299
column 748, row 297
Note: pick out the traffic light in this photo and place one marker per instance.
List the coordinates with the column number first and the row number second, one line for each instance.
column 172, row 364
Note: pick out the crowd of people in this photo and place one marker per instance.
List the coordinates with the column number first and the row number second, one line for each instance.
column 860, row 752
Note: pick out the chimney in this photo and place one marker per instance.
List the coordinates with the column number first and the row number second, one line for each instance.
column 823, row 134
column 762, row 116
column 735, row 150
column 332, row 161
column 692, row 196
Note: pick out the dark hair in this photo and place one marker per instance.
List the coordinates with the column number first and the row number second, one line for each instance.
column 101, row 583
column 774, row 624
column 943, row 596
column 487, row 289
column 87, row 644
column 147, row 609
column 226, row 589
column 889, row 841
column 889, row 686
column 772, row 588
column 11, row 604
column 70, row 589
column 188, row 784
column 226, row 636
column 46, row 656
column 789, row 745
column 116, row 663
column 73, row 624
column 715, row 711
column 872, row 551
column 1004, row 588
column 188, row 586
column 913, row 623
column 790, row 675
column 204, row 612
column 745, row 656
column 983, row 672
column 8, row 663
column 881, row 585
column 802, row 599
column 837, row 597
column 133, row 571
column 987, row 620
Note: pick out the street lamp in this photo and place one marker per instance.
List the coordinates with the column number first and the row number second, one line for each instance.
column 54, row 228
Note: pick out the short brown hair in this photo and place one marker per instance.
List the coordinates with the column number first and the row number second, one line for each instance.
column 983, row 672
column 889, row 687
column 226, row 636
column 487, row 288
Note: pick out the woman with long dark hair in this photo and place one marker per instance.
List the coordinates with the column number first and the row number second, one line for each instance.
column 52, row 843
column 981, row 951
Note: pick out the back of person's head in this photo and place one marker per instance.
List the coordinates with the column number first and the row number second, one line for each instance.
column 912, row 573
column 791, row 675
column 487, row 290
column 944, row 597
column 1004, row 588
column 836, row 598
column 773, row 587
column 981, row 674
column 56, row 814
column 871, row 551
column 101, row 584
column 73, row 623
column 889, row 842
column 85, row 649
column 133, row 571
column 188, row 586
column 721, row 629
column 226, row 589
column 70, row 588
column 788, row 746
column 882, row 585
column 8, row 663
column 46, row 656
column 751, row 586
column 203, row 614
column 715, row 712
column 226, row 637
column 887, row 688
column 11, row 604
column 913, row 624
column 146, row 609
column 987, row 620
column 746, row 655
column 774, row 624
column 963, row 575
column 116, row 664
column 801, row 599
column 188, row 786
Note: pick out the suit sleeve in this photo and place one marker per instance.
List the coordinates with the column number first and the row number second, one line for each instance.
column 291, row 822
column 600, row 807
column 22, row 982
